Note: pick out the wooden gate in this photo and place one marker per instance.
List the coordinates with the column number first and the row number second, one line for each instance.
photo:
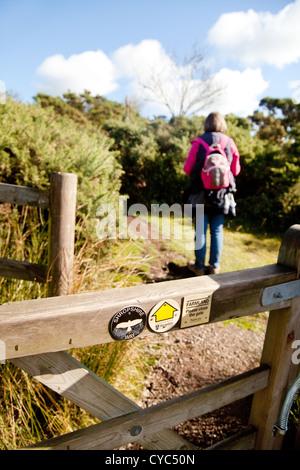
column 37, row 334
column 61, row 201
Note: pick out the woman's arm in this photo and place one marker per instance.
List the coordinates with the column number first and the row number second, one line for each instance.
column 191, row 157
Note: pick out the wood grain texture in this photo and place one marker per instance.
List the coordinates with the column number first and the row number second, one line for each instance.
column 63, row 188
column 69, row 378
column 13, row 269
column 118, row 431
column 23, row 195
column 283, row 327
column 60, row 323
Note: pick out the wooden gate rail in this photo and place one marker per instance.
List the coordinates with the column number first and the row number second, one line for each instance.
column 133, row 426
column 34, row 332
column 24, row 196
column 61, row 200
column 59, row 323
column 68, row 377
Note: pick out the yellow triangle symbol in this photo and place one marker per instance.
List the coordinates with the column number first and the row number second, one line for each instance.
column 165, row 312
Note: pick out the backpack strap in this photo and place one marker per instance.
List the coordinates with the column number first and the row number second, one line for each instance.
column 203, row 143
column 224, row 141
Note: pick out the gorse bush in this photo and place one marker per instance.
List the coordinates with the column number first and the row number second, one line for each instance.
column 152, row 156
column 36, row 141
column 137, row 150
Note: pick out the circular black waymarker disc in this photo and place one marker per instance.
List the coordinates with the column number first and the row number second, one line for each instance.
column 127, row 323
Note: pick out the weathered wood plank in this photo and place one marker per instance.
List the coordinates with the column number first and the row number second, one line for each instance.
column 277, row 353
column 289, row 252
column 244, row 440
column 69, row 378
column 119, row 431
column 59, row 323
column 283, row 328
column 23, row 195
column 22, row 270
column 63, row 190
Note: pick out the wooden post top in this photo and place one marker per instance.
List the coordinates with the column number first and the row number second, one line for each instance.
column 289, row 252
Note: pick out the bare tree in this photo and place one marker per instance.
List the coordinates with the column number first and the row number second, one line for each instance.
column 182, row 88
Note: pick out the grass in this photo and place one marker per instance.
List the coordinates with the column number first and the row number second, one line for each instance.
column 242, row 249
column 23, row 237
column 28, row 411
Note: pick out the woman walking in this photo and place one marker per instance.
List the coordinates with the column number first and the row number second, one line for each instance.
column 217, row 194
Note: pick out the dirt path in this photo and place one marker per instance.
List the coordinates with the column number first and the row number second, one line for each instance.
column 197, row 357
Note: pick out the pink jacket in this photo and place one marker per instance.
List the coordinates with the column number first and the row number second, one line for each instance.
column 191, row 159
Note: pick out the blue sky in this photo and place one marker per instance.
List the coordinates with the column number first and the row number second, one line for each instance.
column 252, row 47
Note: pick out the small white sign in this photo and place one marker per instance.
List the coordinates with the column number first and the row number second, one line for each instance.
column 196, row 309
column 164, row 315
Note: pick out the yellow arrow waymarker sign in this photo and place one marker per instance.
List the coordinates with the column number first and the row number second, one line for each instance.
column 165, row 312
column 164, row 315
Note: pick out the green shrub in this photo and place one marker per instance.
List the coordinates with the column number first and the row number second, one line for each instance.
column 36, row 141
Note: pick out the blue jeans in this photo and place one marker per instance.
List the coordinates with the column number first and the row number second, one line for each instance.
column 216, row 241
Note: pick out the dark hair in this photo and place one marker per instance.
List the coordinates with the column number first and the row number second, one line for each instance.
column 215, row 123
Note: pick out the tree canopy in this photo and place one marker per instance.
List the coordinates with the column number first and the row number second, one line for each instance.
column 114, row 150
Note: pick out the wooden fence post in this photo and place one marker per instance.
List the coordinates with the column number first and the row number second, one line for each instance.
column 63, row 188
column 283, row 328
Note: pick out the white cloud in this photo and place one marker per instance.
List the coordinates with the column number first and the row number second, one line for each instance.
column 98, row 73
column 241, row 91
column 132, row 64
column 91, row 70
column 139, row 60
column 148, row 66
column 148, row 61
column 295, row 85
column 256, row 38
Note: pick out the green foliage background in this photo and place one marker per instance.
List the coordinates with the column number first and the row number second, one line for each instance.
column 35, row 141
column 151, row 154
